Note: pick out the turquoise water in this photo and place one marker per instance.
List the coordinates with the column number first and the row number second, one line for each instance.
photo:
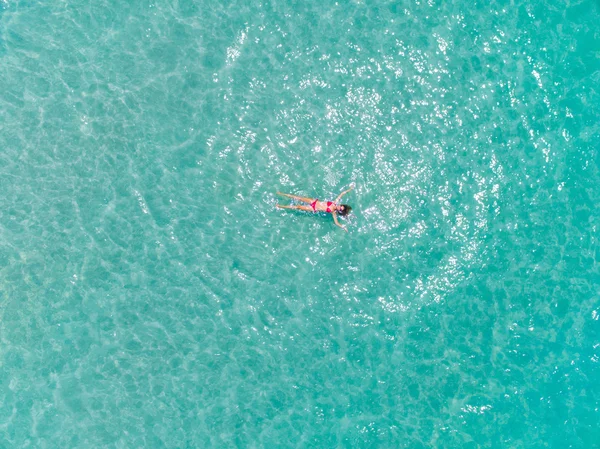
column 151, row 296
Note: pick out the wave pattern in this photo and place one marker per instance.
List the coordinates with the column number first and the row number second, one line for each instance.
column 151, row 294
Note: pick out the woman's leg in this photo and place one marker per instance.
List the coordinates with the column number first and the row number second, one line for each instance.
column 299, row 198
column 304, row 208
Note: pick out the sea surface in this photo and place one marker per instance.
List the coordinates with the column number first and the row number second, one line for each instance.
column 153, row 296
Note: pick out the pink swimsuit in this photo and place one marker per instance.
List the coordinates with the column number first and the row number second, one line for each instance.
column 314, row 205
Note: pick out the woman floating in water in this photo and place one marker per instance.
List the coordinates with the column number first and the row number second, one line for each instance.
column 332, row 207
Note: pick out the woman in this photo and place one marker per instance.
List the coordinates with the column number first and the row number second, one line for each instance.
column 332, row 207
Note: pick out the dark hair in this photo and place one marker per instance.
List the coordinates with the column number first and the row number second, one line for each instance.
column 344, row 209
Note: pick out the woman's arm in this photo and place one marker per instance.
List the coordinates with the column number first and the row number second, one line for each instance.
column 337, row 222
column 342, row 194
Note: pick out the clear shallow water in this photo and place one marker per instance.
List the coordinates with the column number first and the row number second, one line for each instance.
column 151, row 295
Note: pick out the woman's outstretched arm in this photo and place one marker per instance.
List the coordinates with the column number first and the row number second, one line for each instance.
column 337, row 222
column 342, row 194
